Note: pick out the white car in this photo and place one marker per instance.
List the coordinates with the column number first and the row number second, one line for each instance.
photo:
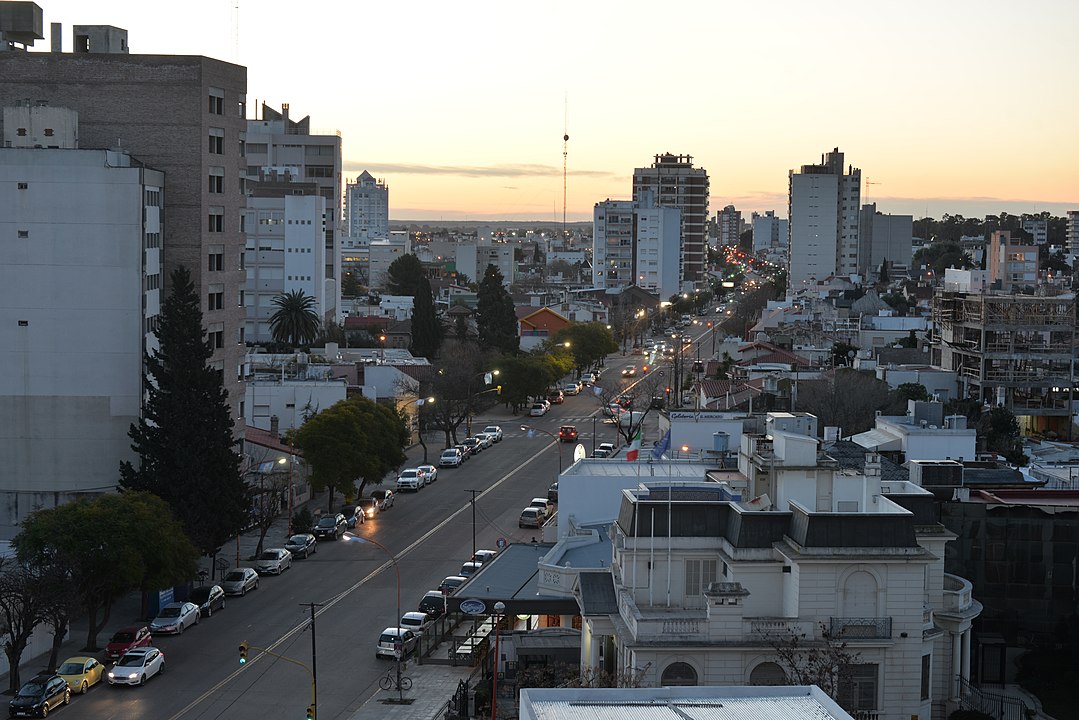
column 239, row 581
column 174, row 617
column 417, row 622
column 393, row 638
column 409, row 480
column 494, row 430
column 588, row 378
column 430, row 473
column 571, row 389
column 543, row 504
column 273, row 561
column 450, row 457
column 485, row 440
column 537, row 410
column 136, row 666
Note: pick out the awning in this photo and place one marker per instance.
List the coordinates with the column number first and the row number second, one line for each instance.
column 878, row 440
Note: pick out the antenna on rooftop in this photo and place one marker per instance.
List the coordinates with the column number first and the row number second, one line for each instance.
column 565, row 155
column 236, row 31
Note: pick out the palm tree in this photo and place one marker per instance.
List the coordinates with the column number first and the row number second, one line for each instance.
column 295, row 321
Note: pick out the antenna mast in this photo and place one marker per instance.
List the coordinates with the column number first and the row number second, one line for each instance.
column 565, row 154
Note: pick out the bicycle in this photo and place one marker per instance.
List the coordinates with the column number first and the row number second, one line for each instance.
column 389, row 681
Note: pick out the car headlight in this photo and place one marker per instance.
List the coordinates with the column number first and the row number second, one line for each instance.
column 112, row 675
column 132, row 676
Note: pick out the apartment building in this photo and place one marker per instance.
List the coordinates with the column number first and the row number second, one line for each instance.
column 1073, row 232
column 382, row 253
column 367, row 207
column 883, row 237
column 636, row 243
column 729, row 225
column 769, row 232
column 824, row 206
column 472, row 259
column 1011, row 264
column 184, row 116
column 80, row 301
column 673, row 182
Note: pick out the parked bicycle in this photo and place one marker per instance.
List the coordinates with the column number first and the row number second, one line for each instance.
column 389, row 681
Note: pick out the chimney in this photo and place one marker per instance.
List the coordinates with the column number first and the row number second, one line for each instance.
column 56, row 37
column 284, row 115
column 275, row 426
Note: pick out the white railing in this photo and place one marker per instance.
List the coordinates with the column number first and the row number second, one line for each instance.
column 957, row 593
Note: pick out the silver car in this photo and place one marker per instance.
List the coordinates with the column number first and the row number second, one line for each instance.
column 239, row 581
column 136, row 666
column 273, row 561
column 174, row 618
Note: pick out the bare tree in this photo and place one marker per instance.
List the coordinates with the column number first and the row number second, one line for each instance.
column 809, row 661
column 847, row 399
column 269, row 496
column 459, row 385
column 639, row 394
column 60, row 603
column 21, row 612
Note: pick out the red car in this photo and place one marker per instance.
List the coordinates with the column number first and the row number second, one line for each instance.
column 126, row 639
column 567, row 433
column 556, row 397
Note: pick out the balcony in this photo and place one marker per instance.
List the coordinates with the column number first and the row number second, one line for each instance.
column 958, row 595
column 864, row 628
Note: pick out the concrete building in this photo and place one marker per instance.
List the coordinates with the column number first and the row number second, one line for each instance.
column 1038, row 227
column 185, row 116
column 884, row 237
column 922, row 434
column 657, row 251
column 614, row 236
column 382, row 253
column 1011, row 350
column 278, row 148
column 824, row 207
column 769, row 232
column 1012, row 265
column 674, row 182
column 1073, row 232
column 728, row 225
column 79, row 300
column 285, row 253
column 636, row 243
column 367, row 207
column 472, row 259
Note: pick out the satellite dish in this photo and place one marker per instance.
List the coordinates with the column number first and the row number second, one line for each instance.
column 579, row 453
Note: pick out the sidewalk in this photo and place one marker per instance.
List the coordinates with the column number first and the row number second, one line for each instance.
column 432, row 688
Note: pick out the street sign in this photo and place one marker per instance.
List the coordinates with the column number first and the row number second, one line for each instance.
column 500, row 543
column 579, row 453
column 473, row 606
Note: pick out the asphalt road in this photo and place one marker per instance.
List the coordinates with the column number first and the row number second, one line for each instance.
column 430, row 533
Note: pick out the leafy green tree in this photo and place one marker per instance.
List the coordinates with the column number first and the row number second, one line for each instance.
column 108, row 546
column 496, row 319
column 911, row 391
column 942, row 255
column 1002, row 435
column 354, row 439
column 404, row 275
column 295, row 322
column 588, row 343
column 351, row 286
column 426, row 328
column 523, row 377
column 184, row 440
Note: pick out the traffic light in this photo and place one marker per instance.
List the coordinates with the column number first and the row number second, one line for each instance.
column 311, row 712
column 499, row 388
column 668, row 391
column 243, row 652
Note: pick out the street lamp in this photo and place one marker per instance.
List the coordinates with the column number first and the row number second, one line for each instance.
column 488, row 378
column 351, row 537
column 558, row 443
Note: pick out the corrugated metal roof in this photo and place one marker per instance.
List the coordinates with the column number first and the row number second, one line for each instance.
column 764, row 708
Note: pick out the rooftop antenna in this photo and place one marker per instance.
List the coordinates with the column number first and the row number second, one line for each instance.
column 565, row 154
column 865, row 200
column 236, row 31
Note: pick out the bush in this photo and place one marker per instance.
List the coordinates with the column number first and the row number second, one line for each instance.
column 302, row 521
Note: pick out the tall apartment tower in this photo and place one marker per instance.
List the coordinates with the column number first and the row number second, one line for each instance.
column 279, row 147
column 823, row 207
column 674, row 182
column 729, row 225
column 367, row 207
column 636, row 243
column 1073, row 232
column 183, row 115
column 769, row 232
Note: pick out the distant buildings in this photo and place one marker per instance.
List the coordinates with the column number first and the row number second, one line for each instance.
column 824, row 206
column 883, row 237
column 769, row 232
column 1073, row 232
column 382, row 252
column 636, row 243
column 729, row 225
column 674, row 182
column 367, row 207
column 1011, row 264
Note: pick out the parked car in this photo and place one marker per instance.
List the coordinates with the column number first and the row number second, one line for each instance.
column 552, row 492
column 474, row 446
column 433, row 603
column 370, row 507
column 174, row 618
column 571, row 389
column 273, row 561
column 608, row 447
column 494, row 430
column 600, row 453
column 484, row 556
column 417, row 622
column 39, row 695
column 556, row 397
column 354, row 515
column 385, row 498
column 629, row 371
column 543, row 504
column 137, row 666
column 450, row 457
column 430, row 473
column 466, row 452
column 658, row 402
column 567, row 433
column 450, row 583
column 588, row 379
column 537, row 410
column 409, row 479
column 531, row 517
column 302, row 545
column 470, row 568
column 81, row 673
column 207, row 598
column 484, row 440
column 330, row 527
column 392, row 638
column 125, row 639
column 239, row 581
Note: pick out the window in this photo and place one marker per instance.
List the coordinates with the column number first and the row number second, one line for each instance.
column 152, row 282
column 217, row 141
column 217, row 220
column 927, row 661
column 699, row 574
column 678, row 673
column 858, row 687
column 216, row 101
column 318, row 171
column 256, row 148
column 216, row 182
column 768, row 673
column 24, row 186
column 152, row 240
column 216, row 261
column 153, row 198
column 24, row 234
column 215, row 301
column 217, row 339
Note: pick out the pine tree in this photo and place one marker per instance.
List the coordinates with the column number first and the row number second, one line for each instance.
column 184, row 440
column 426, row 329
column 495, row 316
column 404, row 274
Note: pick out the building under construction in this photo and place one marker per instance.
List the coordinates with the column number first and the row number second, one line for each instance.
column 1011, row 350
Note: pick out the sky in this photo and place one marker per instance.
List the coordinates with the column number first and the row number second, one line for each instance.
column 965, row 106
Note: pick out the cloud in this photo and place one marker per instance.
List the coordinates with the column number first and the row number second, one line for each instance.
column 507, row 170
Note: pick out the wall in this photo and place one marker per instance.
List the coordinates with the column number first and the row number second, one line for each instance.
column 289, row 401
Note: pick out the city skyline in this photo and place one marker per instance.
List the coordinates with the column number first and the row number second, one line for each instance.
column 463, row 114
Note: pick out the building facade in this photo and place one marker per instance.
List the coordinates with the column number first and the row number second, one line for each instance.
column 636, row 243
column 1011, row 264
column 884, row 238
column 472, row 260
column 1073, row 232
column 728, row 225
column 367, row 207
column 769, row 232
column 824, row 206
column 382, row 253
column 674, row 182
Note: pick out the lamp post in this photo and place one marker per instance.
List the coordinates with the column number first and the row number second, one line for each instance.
column 500, row 609
column 420, row 402
column 557, row 441
column 351, row 537
column 381, row 348
column 488, row 378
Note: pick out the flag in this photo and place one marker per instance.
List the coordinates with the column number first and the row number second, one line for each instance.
column 662, row 446
column 634, row 448
column 597, row 389
column 531, row 433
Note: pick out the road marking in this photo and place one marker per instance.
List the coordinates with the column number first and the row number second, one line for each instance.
column 348, row 591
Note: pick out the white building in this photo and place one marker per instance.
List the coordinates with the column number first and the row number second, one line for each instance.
column 277, row 148
column 290, row 399
column 472, row 259
column 1073, row 232
column 922, row 434
column 79, row 297
column 636, row 243
column 824, row 210
column 285, row 253
column 1038, row 227
column 381, row 254
column 729, row 225
column 367, row 207
column 769, row 232
column 673, row 182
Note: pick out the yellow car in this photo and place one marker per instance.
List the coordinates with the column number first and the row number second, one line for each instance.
column 81, row 673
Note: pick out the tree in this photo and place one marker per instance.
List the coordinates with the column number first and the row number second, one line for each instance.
column 107, row 546
column 523, row 377
column 351, row 286
column 295, row 322
column 588, row 343
column 942, row 255
column 640, row 394
column 60, row 602
column 459, row 385
column 847, row 399
column 404, row 275
column 843, row 353
column 426, row 328
column 20, row 613
column 266, row 496
column 354, row 439
column 911, row 391
column 495, row 316
column 823, row 662
column 184, row 440
column 884, row 271
column 1001, row 431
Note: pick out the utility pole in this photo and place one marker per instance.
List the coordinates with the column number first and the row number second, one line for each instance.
column 473, row 519
column 314, row 671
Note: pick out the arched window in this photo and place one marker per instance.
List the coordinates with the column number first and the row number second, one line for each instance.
column 768, row 673
column 678, row 673
column 860, row 595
